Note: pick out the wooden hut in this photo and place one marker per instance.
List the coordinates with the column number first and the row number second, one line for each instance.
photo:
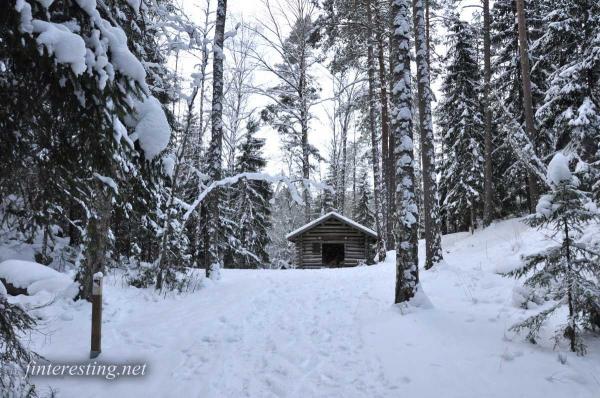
column 333, row 241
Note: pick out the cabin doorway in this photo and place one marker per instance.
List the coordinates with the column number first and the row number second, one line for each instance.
column 333, row 254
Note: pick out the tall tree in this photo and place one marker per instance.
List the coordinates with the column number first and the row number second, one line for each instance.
column 570, row 113
column 527, row 96
column 488, row 198
column 461, row 120
column 213, row 256
column 510, row 182
column 407, row 261
column 375, row 152
column 297, row 91
column 433, row 240
column 251, row 201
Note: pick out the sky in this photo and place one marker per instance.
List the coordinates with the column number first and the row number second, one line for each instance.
column 321, row 132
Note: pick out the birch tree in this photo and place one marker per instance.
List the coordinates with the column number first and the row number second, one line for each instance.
column 407, row 261
column 213, row 257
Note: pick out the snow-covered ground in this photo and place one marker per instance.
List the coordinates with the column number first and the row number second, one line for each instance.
column 327, row 333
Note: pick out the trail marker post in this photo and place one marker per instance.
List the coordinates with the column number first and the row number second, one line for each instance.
column 96, row 315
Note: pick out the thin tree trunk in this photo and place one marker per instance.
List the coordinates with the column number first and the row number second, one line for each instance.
column 377, row 194
column 342, row 191
column 407, row 260
column 97, row 242
column 488, row 199
column 433, row 250
column 213, row 258
column 572, row 324
column 304, row 131
column 385, row 134
column 527, row 98
column 167, row 228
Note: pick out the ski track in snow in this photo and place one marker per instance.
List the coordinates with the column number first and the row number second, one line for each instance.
column 327, row 333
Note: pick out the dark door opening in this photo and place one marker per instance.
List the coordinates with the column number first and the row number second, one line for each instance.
column 333, row 254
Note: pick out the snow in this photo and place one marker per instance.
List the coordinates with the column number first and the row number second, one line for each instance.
column 63, row 287
column 21, row 274
column 36, row 278
column 152, row 130
column 121, row 58
column 558, row 170
column 66, row 46
column 45, row 3
column 327, row 216
column 2, row 289
column 108, row 181
column 168, row 164
column 328, row 333
column 134, row 4
column 24, row 8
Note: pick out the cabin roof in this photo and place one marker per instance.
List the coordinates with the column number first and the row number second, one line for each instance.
column 326, row 217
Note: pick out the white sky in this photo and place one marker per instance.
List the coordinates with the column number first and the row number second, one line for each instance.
column 320, row 135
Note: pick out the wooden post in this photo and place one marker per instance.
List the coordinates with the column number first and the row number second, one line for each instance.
column 96, row 315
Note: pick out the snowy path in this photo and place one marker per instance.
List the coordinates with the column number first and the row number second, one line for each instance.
column 328, row 333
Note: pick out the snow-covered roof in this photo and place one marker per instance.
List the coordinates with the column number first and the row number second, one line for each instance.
column 327, row 216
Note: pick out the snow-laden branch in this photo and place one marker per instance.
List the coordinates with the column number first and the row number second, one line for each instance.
column 289, row 182
column 522, row 146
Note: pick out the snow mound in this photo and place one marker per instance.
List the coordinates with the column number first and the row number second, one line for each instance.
column 558, row 170
column 36, row 278
column 152, row 130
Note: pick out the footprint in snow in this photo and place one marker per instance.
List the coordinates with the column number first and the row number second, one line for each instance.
column 509, row 356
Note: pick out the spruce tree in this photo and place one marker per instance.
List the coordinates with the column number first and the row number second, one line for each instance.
column 571, row 110
column 566, row 273
column 461, row 121
column 363, row 213
column 251, row 200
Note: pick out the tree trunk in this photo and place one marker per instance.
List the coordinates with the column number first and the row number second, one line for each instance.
column 213, row 259
column 377, row 194
column 527, row 98
column 342, row 191
column 407, row 260
column 488, row 200
column 385, row 134
column 97, row 242
column 433, row 251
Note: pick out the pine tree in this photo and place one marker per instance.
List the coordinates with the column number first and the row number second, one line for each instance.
column 509, row 174
column 461, row 120
column 567, row 273
column 431, row 214
column 252, row 203
column 297, row 90
column 376, row 160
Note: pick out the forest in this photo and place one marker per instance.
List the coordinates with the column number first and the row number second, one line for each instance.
column 170, row 147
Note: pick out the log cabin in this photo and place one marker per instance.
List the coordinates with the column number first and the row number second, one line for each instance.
column 333, row 241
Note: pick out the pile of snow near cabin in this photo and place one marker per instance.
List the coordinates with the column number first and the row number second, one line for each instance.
column 318, row 333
